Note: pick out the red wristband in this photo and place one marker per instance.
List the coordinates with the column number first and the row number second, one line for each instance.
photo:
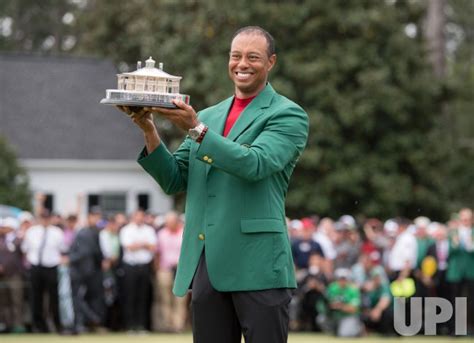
column 201, row 136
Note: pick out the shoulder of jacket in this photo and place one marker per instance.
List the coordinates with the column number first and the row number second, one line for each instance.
column 281, row 103
column 284, row 101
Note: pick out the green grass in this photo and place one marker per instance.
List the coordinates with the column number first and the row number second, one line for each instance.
column 187, row 338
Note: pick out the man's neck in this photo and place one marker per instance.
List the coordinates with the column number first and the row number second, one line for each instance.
column 243, row 95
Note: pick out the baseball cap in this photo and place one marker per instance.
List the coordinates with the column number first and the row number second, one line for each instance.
column 348, row 221
column 307, row 223
column 296, row 224
column 422, row 221
column 390, row 227
column 342, row 273
column 375, row 272
column 26, row 216
column 374, row 257
column 10, row 222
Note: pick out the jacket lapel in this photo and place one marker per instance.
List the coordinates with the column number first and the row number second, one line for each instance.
column 218, row 116
column 252, row 112
column 217, row 120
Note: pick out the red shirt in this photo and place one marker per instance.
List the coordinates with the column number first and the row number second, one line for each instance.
column 237, row 107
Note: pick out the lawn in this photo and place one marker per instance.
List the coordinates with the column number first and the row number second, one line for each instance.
column 187, row 338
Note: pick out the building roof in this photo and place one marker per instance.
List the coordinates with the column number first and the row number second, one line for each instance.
column 154, row 72
column 150, row 70
column 49, row 109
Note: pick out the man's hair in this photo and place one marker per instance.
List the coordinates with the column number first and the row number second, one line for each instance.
column 259, row 31
column 404, row 222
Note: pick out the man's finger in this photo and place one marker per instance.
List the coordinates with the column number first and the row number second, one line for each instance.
column 122, row 108
column 135, row 115
column 125, row 109
column 166, row 112
column 162, row 110
column 182, row 105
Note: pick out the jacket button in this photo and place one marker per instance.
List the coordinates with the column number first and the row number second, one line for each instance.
column 209, row 160
column 201, row 236
column 205, row 158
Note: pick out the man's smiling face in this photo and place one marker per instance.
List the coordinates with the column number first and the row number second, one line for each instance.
column 249, row 64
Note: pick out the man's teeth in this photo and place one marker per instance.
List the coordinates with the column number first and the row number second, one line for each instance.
column 241, row 74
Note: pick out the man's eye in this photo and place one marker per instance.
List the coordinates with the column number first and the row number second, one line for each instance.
column 235, row 57
column 253, row 58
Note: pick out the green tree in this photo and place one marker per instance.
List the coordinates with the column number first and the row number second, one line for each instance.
column 379, row 117
column 373, row 101
column 370, row 94
column 44, row 27
column 457, row 123
column 14, row 184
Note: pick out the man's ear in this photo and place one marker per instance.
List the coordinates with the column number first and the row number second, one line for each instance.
column 271, row 61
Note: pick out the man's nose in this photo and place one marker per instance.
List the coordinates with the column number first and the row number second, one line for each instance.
column 243, row 62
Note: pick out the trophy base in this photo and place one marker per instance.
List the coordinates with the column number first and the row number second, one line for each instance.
column 106, row 101
column 142, row 99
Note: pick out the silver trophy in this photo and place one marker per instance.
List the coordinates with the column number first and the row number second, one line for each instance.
column 147, row 86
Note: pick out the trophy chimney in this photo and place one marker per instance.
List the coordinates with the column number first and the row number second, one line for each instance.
column 150, row 63
column 139, row 65
column 161, row 65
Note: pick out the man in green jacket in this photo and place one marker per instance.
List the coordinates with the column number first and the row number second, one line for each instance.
column 235, row 165
column 460, row 272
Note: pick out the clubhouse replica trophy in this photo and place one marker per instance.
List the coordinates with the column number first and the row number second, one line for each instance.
column 147, row 86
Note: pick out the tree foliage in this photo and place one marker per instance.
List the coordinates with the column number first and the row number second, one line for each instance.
column 359, row 68
column 14, row 185
column 37, row 26
column 457, row 123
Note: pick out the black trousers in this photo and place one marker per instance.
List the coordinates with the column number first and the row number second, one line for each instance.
column 385, row 325
column 464, row 288
column 88, row 298
column 218, row 317
column 44, row 279
column 136, row 283
column 309, row 311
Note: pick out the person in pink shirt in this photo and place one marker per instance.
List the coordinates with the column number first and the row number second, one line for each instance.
column 173, row 309
column 70, row 230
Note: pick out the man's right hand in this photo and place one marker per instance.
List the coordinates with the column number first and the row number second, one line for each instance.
column 143, row 118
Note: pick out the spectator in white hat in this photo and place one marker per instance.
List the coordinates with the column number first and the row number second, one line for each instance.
column 403, row 254
column 347, row 242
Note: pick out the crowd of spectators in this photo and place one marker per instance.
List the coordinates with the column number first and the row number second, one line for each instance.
column 349, row 273
column 105, row 273
column 116, row 272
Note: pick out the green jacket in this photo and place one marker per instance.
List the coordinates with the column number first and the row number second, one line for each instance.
column 460, row 261
column 236, row 188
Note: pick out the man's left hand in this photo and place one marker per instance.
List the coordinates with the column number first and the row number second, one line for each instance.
column 183, row 117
